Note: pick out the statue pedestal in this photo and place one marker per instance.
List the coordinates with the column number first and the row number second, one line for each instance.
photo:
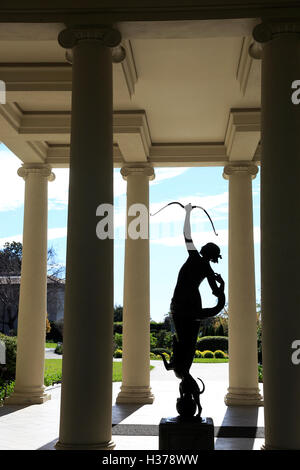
column 186, row 434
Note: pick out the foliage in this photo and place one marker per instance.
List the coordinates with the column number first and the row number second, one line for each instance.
column 213, row 343
column 11, row 356
column 56, row 332
column 53, row 372
column 48, row 326
column 118, row 313
column 220, row 354
column 118, row 353
column 198, row 354
column 10, row 267
column 118, row 327
column 153, row 341
column 260, row 373
column 208, row 354
column 161, row 350
column 118, row 338
column 164, row 339
column 6, row 388
column 59, row 348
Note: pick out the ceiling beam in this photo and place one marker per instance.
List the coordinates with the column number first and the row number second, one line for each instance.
column 113, row 11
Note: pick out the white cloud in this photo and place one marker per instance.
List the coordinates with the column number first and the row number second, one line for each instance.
column 11, row 185
column 161, row 174
column 212, row 204
column 201, row 238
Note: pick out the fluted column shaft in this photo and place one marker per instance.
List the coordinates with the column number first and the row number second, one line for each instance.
column 280, row 230
column 136, row 309
column 29, row 387
column 243, row 380
column 86, row 402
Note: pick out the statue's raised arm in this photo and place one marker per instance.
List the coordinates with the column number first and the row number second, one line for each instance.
column 187, row 228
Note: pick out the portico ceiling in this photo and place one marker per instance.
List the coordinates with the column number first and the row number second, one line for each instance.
column 178, row 101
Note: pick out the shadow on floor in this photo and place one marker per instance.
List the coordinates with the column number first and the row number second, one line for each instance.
column 119, row 413
column 8, row 409
column 49, row 445
column 122, row 410
column 239, row 422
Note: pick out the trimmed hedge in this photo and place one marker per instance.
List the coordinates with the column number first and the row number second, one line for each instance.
column 118, row 327
column 11, row 356
column 212, row 343
column 220, row 354
column 208, row 354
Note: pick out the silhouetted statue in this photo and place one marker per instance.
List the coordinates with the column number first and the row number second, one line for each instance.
column 187, row 311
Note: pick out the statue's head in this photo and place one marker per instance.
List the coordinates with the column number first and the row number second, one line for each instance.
column 211, row 252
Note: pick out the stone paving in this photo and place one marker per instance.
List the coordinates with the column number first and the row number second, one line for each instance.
column 135, row 427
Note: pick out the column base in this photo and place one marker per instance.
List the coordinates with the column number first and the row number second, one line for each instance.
column 109, row 445
column 27, row 398
column 243, row 397
column 131, row 394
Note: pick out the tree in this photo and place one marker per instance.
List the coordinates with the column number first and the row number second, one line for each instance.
column 118, row 313
column 10, row 271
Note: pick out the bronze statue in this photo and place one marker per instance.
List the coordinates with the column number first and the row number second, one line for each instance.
column 187, row 311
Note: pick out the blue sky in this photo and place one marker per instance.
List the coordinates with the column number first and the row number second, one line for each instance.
column 203, row 186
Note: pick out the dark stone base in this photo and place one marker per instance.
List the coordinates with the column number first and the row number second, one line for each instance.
column 186, row 434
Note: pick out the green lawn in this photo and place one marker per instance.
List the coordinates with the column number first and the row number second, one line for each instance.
column 53, row 371
column 50, row 345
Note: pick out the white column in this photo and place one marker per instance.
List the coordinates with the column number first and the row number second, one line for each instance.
column 280, row 230
column 29, row 387
column 243, row 371
column 86, row 402
column 136, row 308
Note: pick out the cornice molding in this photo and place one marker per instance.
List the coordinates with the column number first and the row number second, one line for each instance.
column 242, row 134
column 45, row 137
column 32, row 77
column 250, row 50
column 112, row 11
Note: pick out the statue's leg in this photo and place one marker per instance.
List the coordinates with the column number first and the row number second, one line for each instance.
column 187, row 330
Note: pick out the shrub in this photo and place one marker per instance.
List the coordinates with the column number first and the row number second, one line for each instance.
column 220, row 354
column 118, row 340
column 118, row 353
column 6, row 389
column 152, row 355
column 260, row 373
column 161, row 350
column 118, row 327
column 208, row 354
column 56, row 332
column 198, row 354
column 11, row 356
column 213, row 343
column 59, row 349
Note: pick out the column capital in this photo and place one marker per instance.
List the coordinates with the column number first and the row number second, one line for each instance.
column 268, row 29
column 41, row 170
column 107, row 35
column 231, row 169
column 138, row 170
